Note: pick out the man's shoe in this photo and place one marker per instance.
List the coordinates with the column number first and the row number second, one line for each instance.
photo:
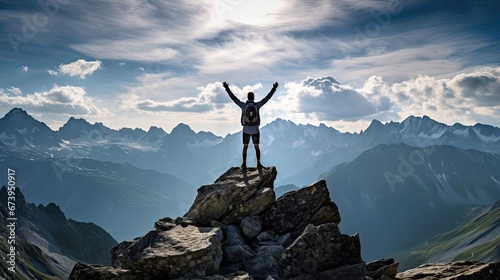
column 244, row 166
column 260, row 166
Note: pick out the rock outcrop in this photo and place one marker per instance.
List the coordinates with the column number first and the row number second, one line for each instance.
column 236, row 229
column 466, row 270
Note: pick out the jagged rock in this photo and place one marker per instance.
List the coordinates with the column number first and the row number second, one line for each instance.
column 165, row 224
column 470, row 270
column 239, row 275
column 284, row 239
column 99, row 272
column 233, row 237
column 221, row 225
column 379, row 268
column 174, row 253
column 236, row 254
column 266, row 263
column 320, row 249
column 296, row 209
column 265, row 236
column 251, row 226
column 238, row 193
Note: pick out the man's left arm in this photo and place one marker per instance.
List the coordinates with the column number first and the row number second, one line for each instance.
column 269, row 95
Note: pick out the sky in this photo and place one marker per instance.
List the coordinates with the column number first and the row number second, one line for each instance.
column 143, row 63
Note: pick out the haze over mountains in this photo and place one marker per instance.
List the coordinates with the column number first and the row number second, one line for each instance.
column 386, row 179
column 47, row 243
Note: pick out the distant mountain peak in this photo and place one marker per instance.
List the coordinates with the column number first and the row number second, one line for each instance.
column 374, row 124
column 17, row 114
column 182, row 128
column 156, row 130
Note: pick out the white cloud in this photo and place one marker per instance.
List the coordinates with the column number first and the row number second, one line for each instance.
column 25, row 68
column 68, row 100
column 53, row 73
column 80, row 68
column 15, row 90
column 467, row 98
column 328, row 100
column 211, row 98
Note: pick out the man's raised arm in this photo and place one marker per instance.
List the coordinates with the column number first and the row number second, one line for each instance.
column 269, row 95
column 231, row 94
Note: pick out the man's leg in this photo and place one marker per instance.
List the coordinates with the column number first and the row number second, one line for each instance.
column 245, row 148
column 256, row 142
column 246, row 140
column 257, row 152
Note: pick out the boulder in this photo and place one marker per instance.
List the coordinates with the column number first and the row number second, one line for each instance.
column 165, row 224
column 251, row 226
column 470, row 270
column 236, row 254
column 321, row 249
column 296, row 209
column 377, row 269
column 236, row 194
column 233, row 237
column 266, row 263
column 169, row 254
column 100, row 272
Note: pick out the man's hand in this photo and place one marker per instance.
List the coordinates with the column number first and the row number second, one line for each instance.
column 225, row 85
column 275, row 85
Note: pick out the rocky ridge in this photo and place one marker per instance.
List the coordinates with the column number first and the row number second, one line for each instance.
column 237, row 229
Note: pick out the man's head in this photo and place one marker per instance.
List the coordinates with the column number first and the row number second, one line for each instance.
column 251, row 96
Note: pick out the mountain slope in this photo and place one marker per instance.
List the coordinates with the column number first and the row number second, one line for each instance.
column 48, row 244
column 101, row 192
column 477, row 239
column 391, row 190
column 19, row 129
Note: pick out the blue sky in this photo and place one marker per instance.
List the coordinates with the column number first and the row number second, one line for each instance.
column 142, row 63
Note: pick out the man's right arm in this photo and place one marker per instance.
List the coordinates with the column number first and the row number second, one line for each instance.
column 231, row 94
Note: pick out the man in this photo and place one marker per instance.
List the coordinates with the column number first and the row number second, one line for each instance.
column 250, row 120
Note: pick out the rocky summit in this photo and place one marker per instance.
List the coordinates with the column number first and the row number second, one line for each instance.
column 237, row 229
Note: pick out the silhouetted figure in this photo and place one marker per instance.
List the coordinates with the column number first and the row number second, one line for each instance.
column 250, row 120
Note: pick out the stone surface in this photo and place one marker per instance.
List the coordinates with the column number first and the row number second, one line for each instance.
column 251, row 226
column 266, row 263
column 233, row 237
column 174, row 253
column 99, row 272
column 236, row 254
column 381, row 267
column 296, row 209
column 319, row 249
column 165, row 224
column 465, row 270
column 238, row 193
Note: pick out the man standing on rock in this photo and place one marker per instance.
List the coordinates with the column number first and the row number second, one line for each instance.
column 250, row 120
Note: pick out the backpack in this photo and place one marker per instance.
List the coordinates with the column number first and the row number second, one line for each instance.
column 251, row 114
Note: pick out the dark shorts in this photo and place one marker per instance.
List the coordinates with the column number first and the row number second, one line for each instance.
column 255, row 138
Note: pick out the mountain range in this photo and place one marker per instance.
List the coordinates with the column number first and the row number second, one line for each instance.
column 386, row 180
column 47, row 243
column 400, row 187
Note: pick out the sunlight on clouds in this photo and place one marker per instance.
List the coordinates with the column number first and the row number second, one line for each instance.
column 256, row 12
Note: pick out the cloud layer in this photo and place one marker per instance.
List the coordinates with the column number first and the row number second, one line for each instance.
column 67, row 100
column 463, row 98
